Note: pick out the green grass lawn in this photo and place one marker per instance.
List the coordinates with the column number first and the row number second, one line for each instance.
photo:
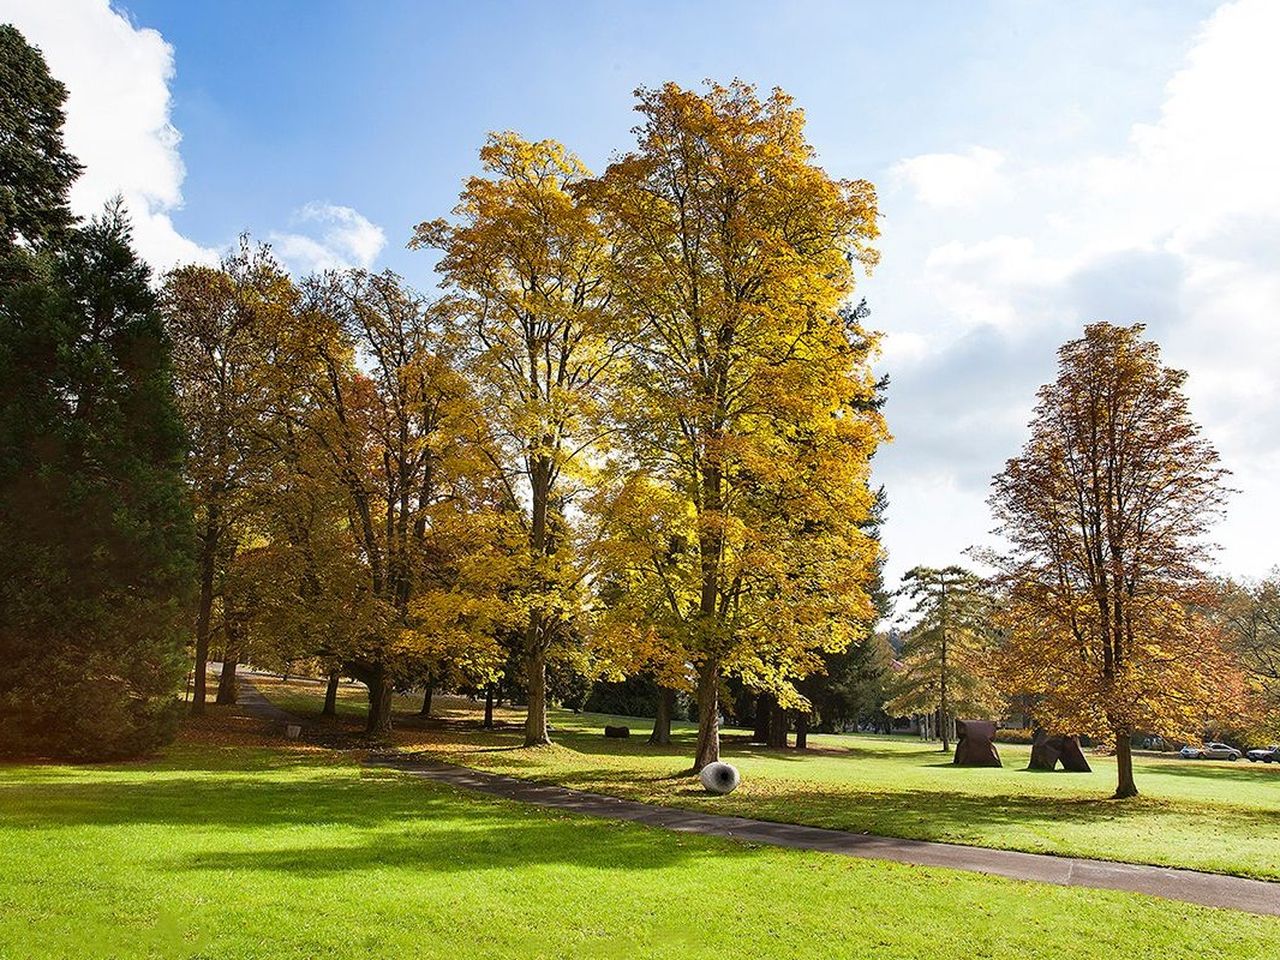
column 1207, row 815
column 234, row 851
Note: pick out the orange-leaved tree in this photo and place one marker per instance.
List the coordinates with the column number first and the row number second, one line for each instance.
column 1105, row 512
column 221, row 321
column 389, row 432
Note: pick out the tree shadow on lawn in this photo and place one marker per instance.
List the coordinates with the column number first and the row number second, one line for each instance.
column 463, row 834
column 682, row 745
column 382, row 819
column 952, row 815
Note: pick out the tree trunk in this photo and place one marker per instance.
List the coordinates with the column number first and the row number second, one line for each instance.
column 426, row 700
column 764, row 713
column 535, row 721
column 208, row 567
column 1125, row 787
column 331, row 696
column 228, row 686
column 708, row 749
column 488, row 706
column 777, row 726
column 233, row 624
column 661, row 735
column 379, row 721
column 944, row 727
column 802, row 730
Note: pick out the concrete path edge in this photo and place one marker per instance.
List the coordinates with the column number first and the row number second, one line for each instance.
column 1189, row 886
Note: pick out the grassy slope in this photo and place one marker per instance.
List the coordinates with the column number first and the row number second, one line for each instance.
column 1218, row 816
column 236, row 851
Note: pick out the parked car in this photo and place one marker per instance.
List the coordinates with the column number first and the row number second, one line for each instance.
column 1269, row 754
column 1210, row 751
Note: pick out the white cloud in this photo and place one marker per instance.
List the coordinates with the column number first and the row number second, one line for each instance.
column 952, row 179
column 118, row 110
column 339, row 237
column 1177, row 229
column 118, row 116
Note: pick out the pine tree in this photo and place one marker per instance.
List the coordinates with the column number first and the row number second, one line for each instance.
column 35, row 169
column 946, row 655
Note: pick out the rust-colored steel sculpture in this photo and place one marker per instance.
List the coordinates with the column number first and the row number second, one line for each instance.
column 975, row 747
column 1048, row 751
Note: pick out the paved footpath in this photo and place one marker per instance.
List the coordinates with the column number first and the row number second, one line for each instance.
column 251, row 699
column 1190, row 886
column 1207, row 889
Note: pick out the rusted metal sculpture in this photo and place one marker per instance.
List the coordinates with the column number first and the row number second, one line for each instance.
column 1048, row 751
column 975, row 747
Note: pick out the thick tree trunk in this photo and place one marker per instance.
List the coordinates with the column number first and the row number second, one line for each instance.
column 764, row 714
column 802, row 730
column 426, row 700
column 379, row 721
column 661, row 735
column 488, row 706
column 208, row 567
column 535, row 722
column 228, row 685
column 331, row 696
column 708, row 749
column 1125, row 787
column 777, row 726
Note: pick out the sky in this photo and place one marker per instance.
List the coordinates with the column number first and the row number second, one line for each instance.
column 1040, row 166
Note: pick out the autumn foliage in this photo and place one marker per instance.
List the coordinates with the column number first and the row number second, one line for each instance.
column 1105, row 511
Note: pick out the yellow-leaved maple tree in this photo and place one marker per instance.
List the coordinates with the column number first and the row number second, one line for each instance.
column 748, row 422
column 527, row 265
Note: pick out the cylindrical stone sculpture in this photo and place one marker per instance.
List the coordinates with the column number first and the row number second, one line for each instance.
column 719, row 777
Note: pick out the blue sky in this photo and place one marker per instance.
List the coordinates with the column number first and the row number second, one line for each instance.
column 1040, row 165
column 382, row 106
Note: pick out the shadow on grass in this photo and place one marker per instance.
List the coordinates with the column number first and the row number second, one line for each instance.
column 336, row 822
column 952, row 816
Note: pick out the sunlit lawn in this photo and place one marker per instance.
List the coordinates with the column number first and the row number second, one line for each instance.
column 232, row 851
column 1208, row 815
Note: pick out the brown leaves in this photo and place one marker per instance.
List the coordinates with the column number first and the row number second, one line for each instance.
column 1105, row 510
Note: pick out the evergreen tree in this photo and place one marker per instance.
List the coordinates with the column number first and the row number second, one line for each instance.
column 947, row 653
column 35, row 169
column 94, row 520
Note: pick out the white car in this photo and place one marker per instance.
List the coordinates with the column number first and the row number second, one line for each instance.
column 1269, row 754
column 1210, row 751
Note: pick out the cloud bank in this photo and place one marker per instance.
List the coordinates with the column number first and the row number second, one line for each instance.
column 997, row 260
column 118, row 116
